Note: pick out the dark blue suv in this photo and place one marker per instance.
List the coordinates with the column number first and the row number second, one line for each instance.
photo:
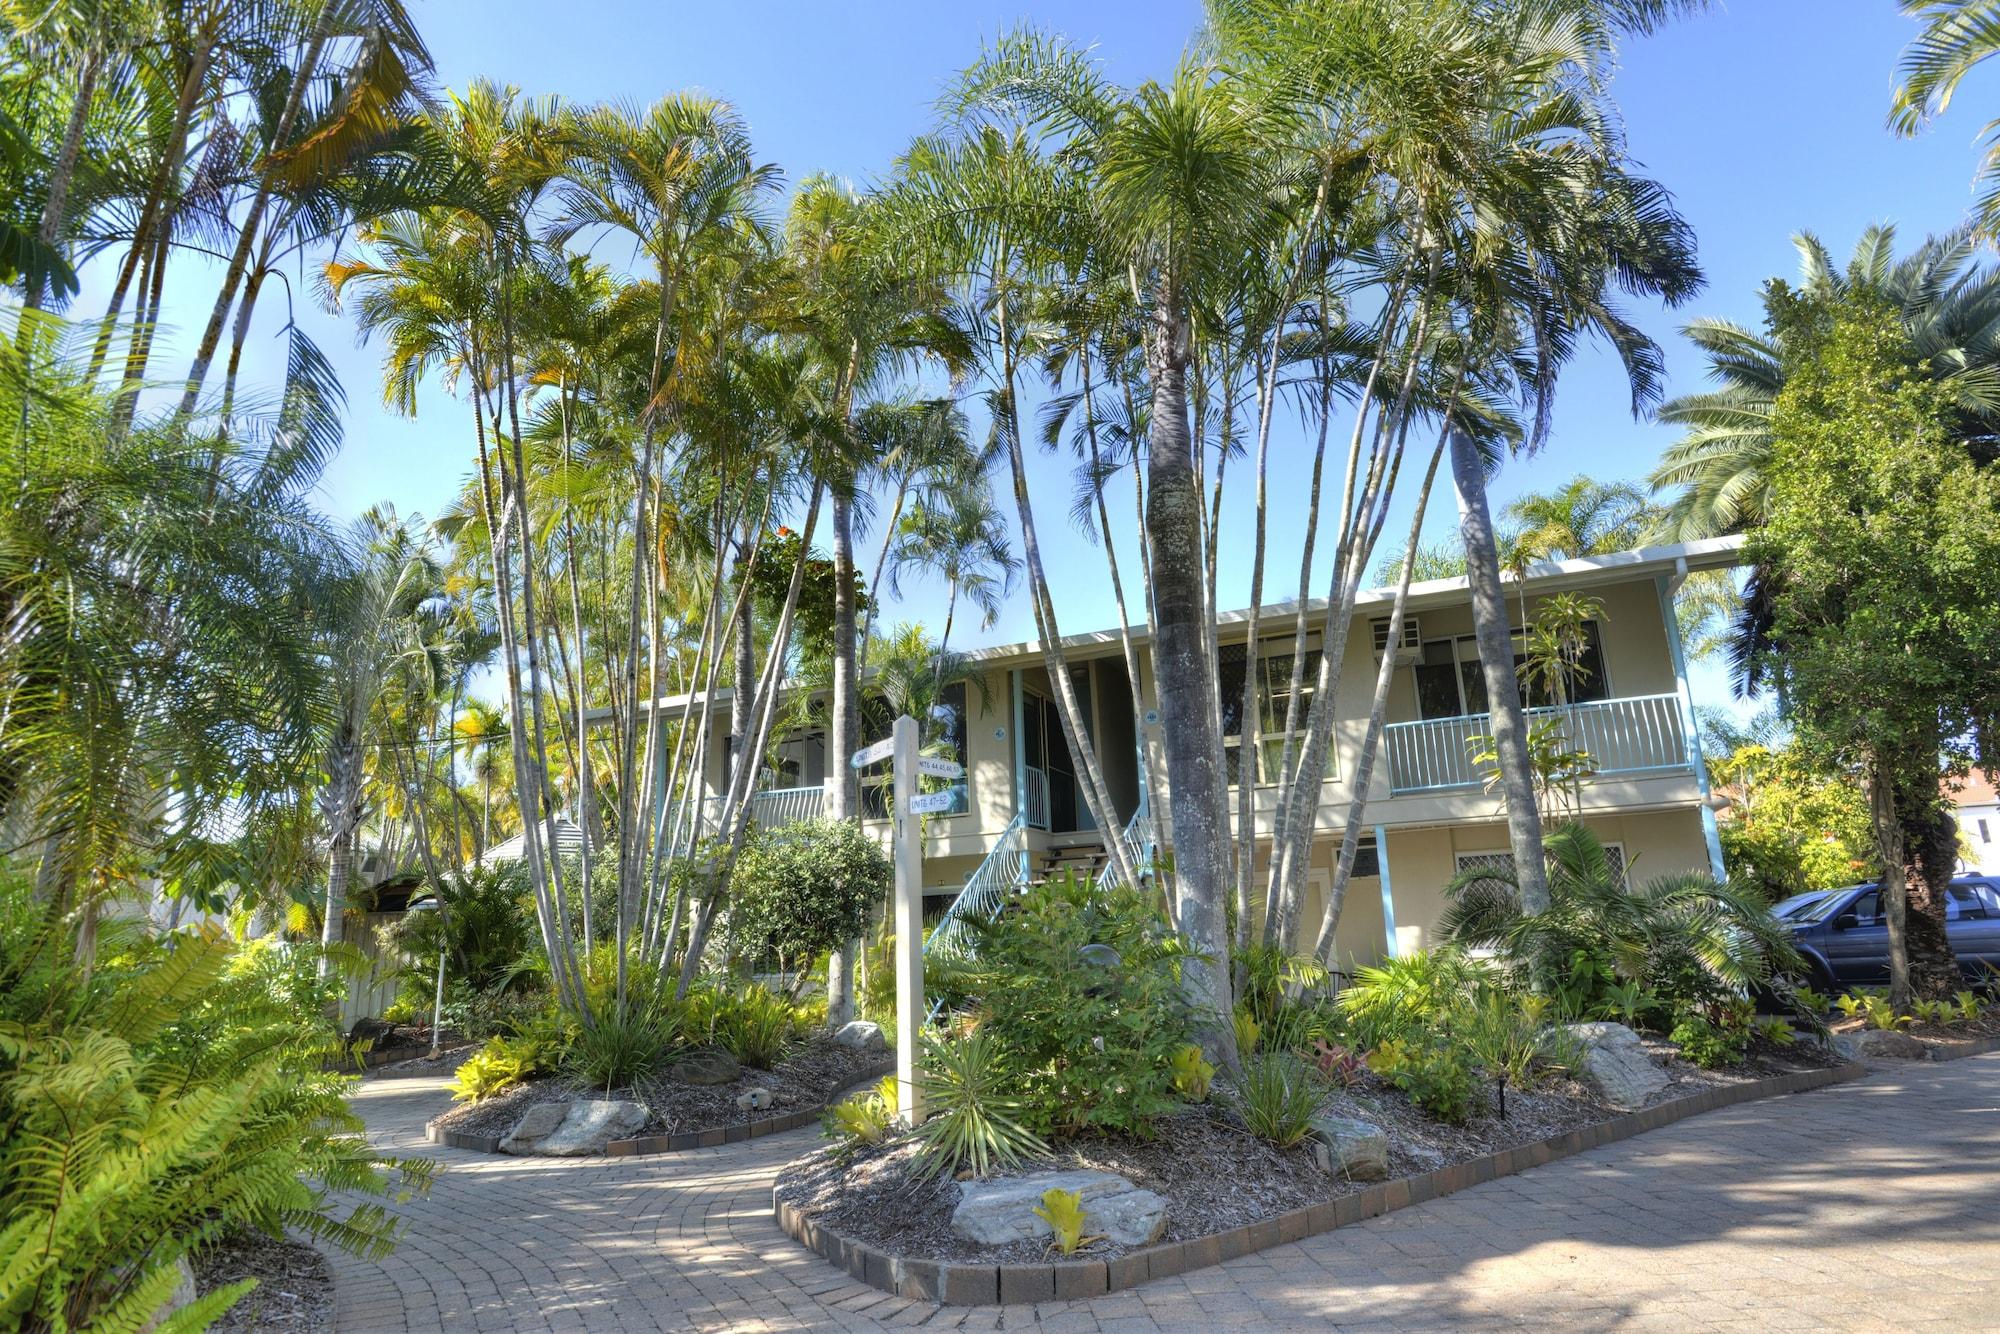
column 1845, row 939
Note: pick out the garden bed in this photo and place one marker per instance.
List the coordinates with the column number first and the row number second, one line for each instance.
column 1214, row 1174
column 800, row 1086
column 1228, row 1194
column 294, row 1283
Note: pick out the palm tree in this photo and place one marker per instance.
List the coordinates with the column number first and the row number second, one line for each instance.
column 961, row 538
column 1950, row 304
column 394, row 580
column 1583, row 517
column 162, row 671
column 681, row 179
column 475, row 735
column 1958, row 36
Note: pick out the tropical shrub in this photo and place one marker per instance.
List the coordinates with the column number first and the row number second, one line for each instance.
column 1410, row 995
column 193, row 1052
column 1271, row 979
column 976, row 1122
column 486, row 928
column 865, row 1118
column 1078, row 991
column 1277, row 1095
column 1709, row 1043
column 754, row 1024
column 800, row 890
column 1062, row 1210
column 500, row 1065
column 1249, row 1033
column 1337, row 1064
column 615, row 1048
column 1193, row 1073
column 1691, row 943
column 1437, row 1075
column 483, row 1014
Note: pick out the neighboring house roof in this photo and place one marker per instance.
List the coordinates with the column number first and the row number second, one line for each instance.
column 568, row 843
column 1673, row 561
column 1975, row 789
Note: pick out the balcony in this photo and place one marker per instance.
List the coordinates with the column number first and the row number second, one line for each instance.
column 777, row 806
column 1640, row 734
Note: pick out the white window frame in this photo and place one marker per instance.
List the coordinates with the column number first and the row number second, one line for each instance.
column 1465, row 649
column 1280, row 645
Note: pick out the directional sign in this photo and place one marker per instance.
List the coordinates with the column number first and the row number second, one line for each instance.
column 939, row 768
column 874, row 754
column 932, row 802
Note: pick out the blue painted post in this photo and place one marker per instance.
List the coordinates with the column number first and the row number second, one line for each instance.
column 1388, row 898
column 1671, row 621
column 1020, row 762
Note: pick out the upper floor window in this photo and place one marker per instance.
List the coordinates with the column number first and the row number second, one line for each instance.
column 1451, row 683
column 1274, row 702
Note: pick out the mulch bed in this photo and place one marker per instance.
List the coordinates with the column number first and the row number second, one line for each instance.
column 294, row 1283
column 424, row 1065
column 1944, row 1036
column 1214, row 1174
column 809, row 1075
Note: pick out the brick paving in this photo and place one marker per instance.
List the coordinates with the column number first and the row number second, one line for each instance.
column 1872, row 1205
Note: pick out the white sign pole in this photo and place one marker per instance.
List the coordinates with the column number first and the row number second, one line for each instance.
column 909, row 921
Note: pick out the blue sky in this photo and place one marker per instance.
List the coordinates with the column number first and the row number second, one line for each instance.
column 1763, row 117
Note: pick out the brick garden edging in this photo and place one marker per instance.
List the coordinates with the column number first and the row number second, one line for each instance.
column 960, row 1283
column 684, row 1140
column 1947, row 1050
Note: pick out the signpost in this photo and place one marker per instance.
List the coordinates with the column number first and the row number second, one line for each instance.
column 939, row 768
column 907, row 916
column 874, row 754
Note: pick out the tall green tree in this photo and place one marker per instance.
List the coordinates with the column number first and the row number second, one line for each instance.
column 1878, row 630
column 1948, row 297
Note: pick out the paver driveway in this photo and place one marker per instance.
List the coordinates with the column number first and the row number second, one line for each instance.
column 1872, row 1205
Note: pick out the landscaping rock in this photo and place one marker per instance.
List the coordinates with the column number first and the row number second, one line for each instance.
column 591, row 1124
column 708, row 1067
column 993, row 1213
column 1350, row 1149
column 1617, row 1066
column 183, row 1294
column 861, row 1036
column 537, row 1125
column 1877, row 1043
column 756, row 1100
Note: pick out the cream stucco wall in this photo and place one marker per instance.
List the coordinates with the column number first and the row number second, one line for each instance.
column 1422, row 861
column 1425, row 829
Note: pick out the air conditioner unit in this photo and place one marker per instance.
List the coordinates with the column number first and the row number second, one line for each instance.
column 1411, row 641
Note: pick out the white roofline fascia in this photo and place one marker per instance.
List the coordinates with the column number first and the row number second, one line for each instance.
column 1669, row 559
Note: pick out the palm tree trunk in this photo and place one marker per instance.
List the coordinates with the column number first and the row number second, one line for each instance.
column 1286, row 841
column 1076, row 736
column 1496, row 660
column 842, row 784
column 1185, row 675
column 342, row 817
column 937, row 660
column 64, row 166
column 1127, row 647
column 239, row 261
column 154, row 213
column 1378, row 712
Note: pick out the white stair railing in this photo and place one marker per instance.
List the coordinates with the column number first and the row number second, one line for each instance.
column 1140, row 844
column 1003, row 873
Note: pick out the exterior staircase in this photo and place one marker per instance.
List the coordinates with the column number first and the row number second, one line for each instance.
column 1085, row 860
